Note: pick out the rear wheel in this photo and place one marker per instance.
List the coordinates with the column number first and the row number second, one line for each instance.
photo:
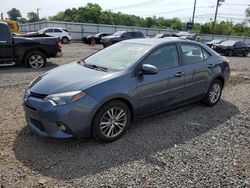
column 35, row 59
column 65, row 40
column 213, row 94
column 111, row 121
column 245, row 53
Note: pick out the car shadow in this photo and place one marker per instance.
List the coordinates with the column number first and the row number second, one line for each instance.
column 71, row 158
column 22, row 69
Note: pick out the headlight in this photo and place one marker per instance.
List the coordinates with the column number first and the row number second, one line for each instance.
column 64, row 98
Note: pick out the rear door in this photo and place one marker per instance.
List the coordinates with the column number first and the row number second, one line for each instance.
column 6, row 46
column 198, row 64
column 161, row 90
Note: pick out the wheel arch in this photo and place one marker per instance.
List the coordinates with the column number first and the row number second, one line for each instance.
column 123, row 99
column 34, row 50
column 221, row 79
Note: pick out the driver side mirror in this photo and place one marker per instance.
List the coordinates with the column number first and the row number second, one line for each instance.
column 149, row 69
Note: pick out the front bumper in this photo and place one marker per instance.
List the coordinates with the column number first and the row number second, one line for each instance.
column 48, row 120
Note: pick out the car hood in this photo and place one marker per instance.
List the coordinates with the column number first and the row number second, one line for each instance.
column 70, row 77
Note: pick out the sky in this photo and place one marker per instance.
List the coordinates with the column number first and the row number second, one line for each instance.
column 231, row 10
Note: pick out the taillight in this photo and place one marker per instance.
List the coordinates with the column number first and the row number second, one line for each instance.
column 59, row 46
column 226, row 61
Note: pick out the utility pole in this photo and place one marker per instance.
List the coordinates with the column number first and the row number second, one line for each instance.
column 193, row 13
column 37, row 10
column 216, row 11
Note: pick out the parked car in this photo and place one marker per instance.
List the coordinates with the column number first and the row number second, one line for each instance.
column 96, row 38
column 102, row 93
column 162, row 35
column 62, row 33
column 215, row 41
column 231, row 47
column 120, row 36
column 185, row 35
column 30, row 51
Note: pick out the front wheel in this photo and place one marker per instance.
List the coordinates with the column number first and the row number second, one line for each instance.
column 213, row 94
column 35, row 59
column 111, row 121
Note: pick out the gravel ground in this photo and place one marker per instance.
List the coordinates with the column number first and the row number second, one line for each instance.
column 193, row 146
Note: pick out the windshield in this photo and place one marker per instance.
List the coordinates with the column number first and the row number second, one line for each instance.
column 118, row 56
column 216, row 41
column 228, row 43
column 118, row 33
column 97, row 35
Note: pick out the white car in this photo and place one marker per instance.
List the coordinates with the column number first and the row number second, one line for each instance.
column 61, row 33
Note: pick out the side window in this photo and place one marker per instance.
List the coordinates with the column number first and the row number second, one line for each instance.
column 48, row 31
column 164, row 57
column 126, row 35
column 57, row 31
column 139, row 34
column 193, row 54
column 5, row 34
column 133, row 35
column 206, row 55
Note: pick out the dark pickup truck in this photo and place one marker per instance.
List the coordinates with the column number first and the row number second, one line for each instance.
column 32, row 52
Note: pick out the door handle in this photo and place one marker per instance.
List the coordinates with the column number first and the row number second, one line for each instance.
column 210, row 66
column 3, row 42
column 179, row 74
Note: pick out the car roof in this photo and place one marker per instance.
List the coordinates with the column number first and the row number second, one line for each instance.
column 157, row 41
column 53, row 28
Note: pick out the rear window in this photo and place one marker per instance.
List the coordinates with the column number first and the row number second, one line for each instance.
column 65, row 30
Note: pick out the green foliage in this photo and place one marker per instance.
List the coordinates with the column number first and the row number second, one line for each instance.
column 32, row 17
column 93, row 13
column 14, row 14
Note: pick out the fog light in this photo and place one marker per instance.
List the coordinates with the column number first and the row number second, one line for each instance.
column 61, row 127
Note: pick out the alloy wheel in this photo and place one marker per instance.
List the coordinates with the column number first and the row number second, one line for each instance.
column 214, row 93
column 113, row 122
column 36, row 61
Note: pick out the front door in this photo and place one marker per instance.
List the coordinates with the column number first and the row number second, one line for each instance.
column 159, row 91
column 6, row 46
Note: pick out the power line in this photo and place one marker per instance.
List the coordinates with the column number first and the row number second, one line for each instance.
column 178, row 10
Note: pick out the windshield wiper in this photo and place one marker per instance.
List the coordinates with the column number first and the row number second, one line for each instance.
column 93, row 66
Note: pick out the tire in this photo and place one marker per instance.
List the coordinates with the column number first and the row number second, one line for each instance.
column 35, row 59
column 209, row 100
column 230, row 53
column 65, row 40
column 245, row 53
column 108, row 129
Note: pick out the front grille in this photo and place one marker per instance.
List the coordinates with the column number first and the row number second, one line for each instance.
column 37, row 95
column 37, row 124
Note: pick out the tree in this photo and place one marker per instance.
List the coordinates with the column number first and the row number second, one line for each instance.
column 32, row 17
column 22, row 20
column 247, row 12
column 14, row 14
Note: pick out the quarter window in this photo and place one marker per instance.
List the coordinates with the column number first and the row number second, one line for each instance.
column 193, row 54
column 164, row 57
